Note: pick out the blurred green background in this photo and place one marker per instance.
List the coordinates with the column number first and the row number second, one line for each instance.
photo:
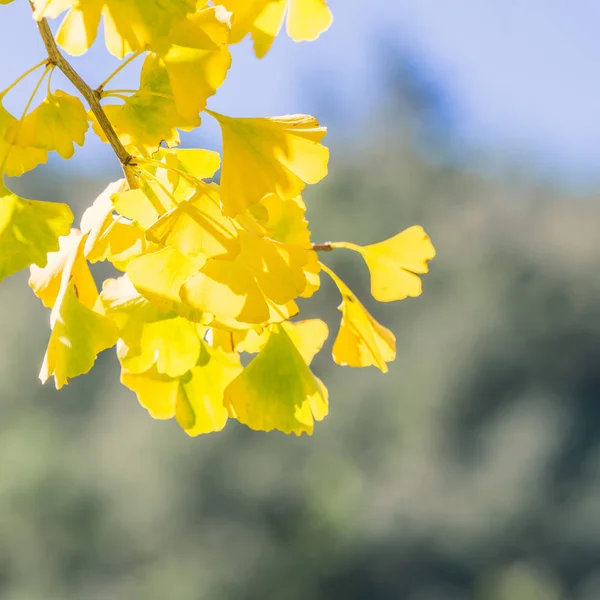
column 471, row 471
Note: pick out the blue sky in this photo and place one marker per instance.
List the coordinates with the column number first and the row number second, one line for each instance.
column 521, row 74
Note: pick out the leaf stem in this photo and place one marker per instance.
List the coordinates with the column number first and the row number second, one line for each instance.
column 134, row 93
column 23, row 75
column 193, row 180
column 56, row 58
column 127, row 61
column 17, row 129
column 160, row 184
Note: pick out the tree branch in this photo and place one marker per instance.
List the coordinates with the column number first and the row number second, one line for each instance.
column 56, row 58
column 324, row 247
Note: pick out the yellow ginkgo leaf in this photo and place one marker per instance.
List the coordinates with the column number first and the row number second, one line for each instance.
column 129, row 25
column 394, row 263
column 149, row 116
column 16, row 159
column 306, row 20
column 58, row 123
column 277, row 389
column 112, row 237
column 159, row 276
column 148, row 337
column 197, row 162
column 197, row 227
column 271, row 155
column 194, row 399
column 79, row 329
column 286, row 222
column 361, row 340
column 197, row 58
column 143, row 207
column 259, row 286
column 29, row 229
column 249, row 340
column 99, row 215
column 308, row 336
column 67, row 264
column 78, row 335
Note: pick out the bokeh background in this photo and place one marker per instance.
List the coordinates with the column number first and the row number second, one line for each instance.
column 471, row 471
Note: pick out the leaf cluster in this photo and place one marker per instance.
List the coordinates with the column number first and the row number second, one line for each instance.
column 209, row 271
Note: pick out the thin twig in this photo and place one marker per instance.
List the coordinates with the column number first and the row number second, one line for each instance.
column 56, row 58
column 131, row 58
column 324, row 247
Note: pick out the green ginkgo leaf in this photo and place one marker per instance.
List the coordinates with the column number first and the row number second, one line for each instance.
column 277, row 390
column 29, row 230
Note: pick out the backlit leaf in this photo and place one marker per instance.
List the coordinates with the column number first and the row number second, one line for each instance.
column 159, row 276
column 285, row 222
column 129, row 25
column 67, row 264
column 78, row 335
column 361, row 340
column 197, row 227
column 306, row 20
column 197, row 59
column 271, row 155
column 58, row 123
column 29, row 229
column 195, row 399
column 148, row 117
column 148, row 337
column 16, row 159
column 258, row 286
column 79, row 329
column 394, row 263
column 277, row 389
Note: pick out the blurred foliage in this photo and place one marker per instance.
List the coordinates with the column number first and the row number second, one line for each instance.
column 470, row 471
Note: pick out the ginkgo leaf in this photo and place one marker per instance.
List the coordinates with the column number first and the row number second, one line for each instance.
column 197, row 162
column 16, row 159
column 58, row 123
column 197, row 58
column 258, row 286
column 197, row 227
column 159, row 277
column 99, row 215
column 285, row 222
column 112, row 237
column 308, row 336
column 67, row 264
column 149, row 116
column 269, row 155
column 361, row 340
column 79, row 329
column 78, row 335
column 395, row 263
column 148, row 337
column 277, row 389
column 29, row 229
column 306, row 20
column 129, row 25
column 143, row 207
column 195, row 399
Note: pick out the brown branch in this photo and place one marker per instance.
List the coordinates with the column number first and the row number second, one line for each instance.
column 56, row 58
column 324, row 247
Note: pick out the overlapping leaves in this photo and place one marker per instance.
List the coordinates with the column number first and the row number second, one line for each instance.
column 210, row 274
